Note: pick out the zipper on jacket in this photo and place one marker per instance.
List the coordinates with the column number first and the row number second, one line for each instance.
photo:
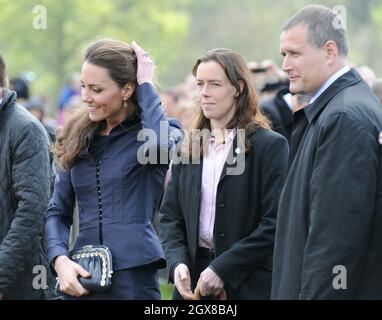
column 100, row 212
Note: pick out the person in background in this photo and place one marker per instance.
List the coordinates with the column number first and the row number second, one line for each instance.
column 367, row 74
column 170, row 100
column 68, row 92
column 377, row 89
column 218, row 225
column 36, row 106
column 21, row 87
column 281, row 108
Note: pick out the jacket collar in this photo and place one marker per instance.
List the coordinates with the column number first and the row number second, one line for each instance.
column 285, row 111
column 129, row 123
column 197, row 169
column 350, row 78
column 234, row 150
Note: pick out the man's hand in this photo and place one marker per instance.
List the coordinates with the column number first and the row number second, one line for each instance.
column 380, row 138
column 209, row 283
column 68, row 272
column 182, row 281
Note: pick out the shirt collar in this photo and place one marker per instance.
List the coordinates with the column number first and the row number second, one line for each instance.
column 230, row 136
column 328, row 82
column 288, row 100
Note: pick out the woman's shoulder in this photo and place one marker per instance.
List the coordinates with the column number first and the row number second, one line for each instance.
column 266, row 135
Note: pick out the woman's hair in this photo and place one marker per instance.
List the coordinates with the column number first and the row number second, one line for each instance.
column 247, row 114
column 119, row 59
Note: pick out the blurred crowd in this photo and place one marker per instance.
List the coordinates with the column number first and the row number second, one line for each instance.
column 179, row 101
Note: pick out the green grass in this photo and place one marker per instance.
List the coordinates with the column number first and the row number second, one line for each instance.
column 166, row 291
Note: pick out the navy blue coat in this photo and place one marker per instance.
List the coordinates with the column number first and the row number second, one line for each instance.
column 129, row 195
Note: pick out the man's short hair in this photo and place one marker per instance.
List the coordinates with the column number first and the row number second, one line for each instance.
column 3, row 76
column 323, row 25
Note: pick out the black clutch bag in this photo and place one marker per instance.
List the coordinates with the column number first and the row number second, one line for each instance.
column 98, row 261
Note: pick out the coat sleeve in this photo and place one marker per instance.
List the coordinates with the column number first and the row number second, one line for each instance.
column 342, row 192
column 30, row 175
column 161, row 135
column 59, row 216
column 235, row 264
column 172, row 225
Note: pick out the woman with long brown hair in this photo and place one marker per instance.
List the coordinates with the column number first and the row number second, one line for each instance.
column 98, row 153
column 219, row 210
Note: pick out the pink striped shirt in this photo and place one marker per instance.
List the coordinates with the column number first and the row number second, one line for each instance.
column 213, row 163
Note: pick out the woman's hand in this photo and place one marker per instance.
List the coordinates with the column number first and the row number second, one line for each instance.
column 146, row 67
column 68, row 272
column 182, row 281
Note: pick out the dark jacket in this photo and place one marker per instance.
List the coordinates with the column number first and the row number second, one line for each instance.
column 24, row 196
column 126, row 191
column 279, row 113
column 245, row 217
column 330, row 212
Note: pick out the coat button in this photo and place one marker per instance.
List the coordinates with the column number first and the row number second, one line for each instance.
column 221, row 205
column 222, row 234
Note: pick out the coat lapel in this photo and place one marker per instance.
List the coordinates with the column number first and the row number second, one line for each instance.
column 231, row 161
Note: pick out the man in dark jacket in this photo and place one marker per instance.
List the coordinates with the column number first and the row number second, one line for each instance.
column 329, row 229
column 24, row 196
column 280, row 109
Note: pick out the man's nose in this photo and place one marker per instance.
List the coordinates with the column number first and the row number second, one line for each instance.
column 286, row 66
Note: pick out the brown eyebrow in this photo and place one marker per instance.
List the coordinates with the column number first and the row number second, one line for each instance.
column 216, row 80
column 92, row 84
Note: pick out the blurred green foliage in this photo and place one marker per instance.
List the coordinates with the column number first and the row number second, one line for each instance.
column 174, row 32
column 52, row 53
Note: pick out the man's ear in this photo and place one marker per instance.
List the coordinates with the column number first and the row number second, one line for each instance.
column 128, row 90
column 331, row 50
